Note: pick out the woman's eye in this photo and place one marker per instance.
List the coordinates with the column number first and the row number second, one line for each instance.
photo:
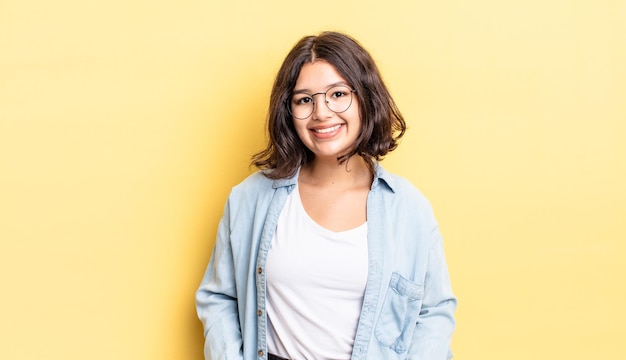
column 338, row 94
column 303, row 100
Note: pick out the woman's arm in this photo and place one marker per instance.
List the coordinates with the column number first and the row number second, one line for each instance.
column 435, row 325
column 216, row 300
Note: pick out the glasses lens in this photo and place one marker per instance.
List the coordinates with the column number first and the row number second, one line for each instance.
column 301, row 106
column 339, row 98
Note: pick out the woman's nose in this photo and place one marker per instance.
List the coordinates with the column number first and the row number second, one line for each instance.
column 321, row 110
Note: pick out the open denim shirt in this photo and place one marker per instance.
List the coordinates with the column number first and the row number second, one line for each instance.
column 408, row 304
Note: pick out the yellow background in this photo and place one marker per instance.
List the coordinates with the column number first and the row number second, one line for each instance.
column 123, row 125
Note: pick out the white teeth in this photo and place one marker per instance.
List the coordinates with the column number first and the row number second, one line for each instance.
column 327, row 130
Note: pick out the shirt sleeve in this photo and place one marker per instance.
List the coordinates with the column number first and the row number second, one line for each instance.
column 216, row 300
column 435, row 325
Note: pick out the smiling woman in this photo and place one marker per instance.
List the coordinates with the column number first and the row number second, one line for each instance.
column 124, row 125
column 331, row 128
column 350, row 65
column 322, row 254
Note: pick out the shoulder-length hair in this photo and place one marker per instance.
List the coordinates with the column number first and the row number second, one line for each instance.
column 382, row 125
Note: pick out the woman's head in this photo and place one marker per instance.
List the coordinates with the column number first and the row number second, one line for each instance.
column 381, row 122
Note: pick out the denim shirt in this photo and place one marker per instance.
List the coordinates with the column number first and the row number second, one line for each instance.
column 408, row 305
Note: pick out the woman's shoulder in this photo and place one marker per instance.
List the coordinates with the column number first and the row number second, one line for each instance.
column 405, row 196
column 400, row 186
column 258, row 184
column 253, row 184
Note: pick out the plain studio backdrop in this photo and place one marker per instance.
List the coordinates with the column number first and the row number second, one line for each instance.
column 124, row 124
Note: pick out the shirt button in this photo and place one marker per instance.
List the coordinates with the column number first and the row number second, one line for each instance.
column 259, row 270
column 259, row 312
column 261, row 353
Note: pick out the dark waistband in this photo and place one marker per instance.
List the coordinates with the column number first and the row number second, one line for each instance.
column 274, row 357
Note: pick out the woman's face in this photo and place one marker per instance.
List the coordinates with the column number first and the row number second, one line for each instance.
column 328, row 134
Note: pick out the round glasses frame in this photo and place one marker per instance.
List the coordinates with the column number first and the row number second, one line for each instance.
column 339, row 101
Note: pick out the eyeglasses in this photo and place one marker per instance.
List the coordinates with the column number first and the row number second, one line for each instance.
column 338, row 99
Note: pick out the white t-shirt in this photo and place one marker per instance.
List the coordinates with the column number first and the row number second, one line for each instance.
column 315, row 284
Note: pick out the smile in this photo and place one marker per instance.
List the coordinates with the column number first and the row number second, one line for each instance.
column 327, row 130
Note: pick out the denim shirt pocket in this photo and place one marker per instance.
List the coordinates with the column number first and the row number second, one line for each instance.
column 399, row 314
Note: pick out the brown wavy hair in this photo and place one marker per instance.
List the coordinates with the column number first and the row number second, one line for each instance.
column 382, row 125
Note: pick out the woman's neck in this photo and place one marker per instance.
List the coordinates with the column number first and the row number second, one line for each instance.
column 352, row 173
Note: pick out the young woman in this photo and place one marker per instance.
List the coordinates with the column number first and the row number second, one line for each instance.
column 322, row 254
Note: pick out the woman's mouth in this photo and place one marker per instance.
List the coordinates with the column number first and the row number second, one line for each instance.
column 327, row 130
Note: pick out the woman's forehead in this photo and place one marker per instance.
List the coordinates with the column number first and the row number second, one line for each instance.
column 317, row 76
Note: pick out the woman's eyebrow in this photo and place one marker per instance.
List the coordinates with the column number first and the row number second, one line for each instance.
column 309, row 91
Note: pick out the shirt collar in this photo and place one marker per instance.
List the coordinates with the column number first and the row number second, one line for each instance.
column 291, row 181
column 383, row 177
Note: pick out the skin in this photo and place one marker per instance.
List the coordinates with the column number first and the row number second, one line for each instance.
column 334, row 195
